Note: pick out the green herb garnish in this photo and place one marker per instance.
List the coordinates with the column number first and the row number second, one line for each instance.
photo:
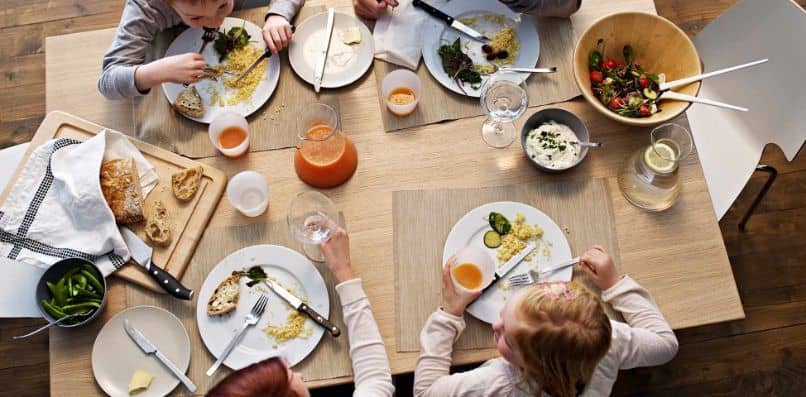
column 458, row 65
column 236, row 37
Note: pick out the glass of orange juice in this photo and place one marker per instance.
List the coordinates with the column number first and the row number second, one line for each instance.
column 401, row 91
column 325, row 156
column 472, row 269
column 229, row 133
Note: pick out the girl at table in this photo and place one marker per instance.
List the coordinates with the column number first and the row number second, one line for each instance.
column 371, row 372
column 554, row 338
column 125, row 72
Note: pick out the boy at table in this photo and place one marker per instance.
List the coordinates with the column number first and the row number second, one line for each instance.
column 125, row 73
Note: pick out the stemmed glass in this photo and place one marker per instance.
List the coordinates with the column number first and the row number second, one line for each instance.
column 310, row 219
column 503, row 99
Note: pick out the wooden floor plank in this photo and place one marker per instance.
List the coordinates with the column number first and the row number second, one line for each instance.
column 13, row 132
column 27, row 12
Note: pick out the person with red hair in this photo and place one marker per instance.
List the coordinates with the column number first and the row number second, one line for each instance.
column 373, row 378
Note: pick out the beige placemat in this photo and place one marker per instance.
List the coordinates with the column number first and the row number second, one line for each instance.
column 437, row 103
column 331, row 357
column 273, row 126
column 581, row 208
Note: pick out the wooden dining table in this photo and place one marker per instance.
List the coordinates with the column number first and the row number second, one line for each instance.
column 678, row 255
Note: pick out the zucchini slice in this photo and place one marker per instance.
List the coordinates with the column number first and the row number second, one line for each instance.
column 492, row 239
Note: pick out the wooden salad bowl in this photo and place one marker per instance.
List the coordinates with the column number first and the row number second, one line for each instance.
column 659, row 47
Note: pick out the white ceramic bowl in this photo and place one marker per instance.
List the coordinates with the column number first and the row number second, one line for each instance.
column 248, row 192
column 401, row 78
column 478, row 257
column 224, row 121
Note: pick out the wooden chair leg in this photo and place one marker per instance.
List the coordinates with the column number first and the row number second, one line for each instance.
column 773, row 173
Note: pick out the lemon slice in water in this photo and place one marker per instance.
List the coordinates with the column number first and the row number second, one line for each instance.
column 657, row 156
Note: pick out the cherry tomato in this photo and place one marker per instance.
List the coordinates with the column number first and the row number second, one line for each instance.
column 643, row 110
column 596, row 76
column 643, row 81
column 610, row 63
column 616, row 103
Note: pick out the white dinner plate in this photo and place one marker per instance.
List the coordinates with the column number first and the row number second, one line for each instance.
column 115, row 356
column 552, row 248
column 345, row 63
column 294, row 272
column 436, row 33
column 190, row 40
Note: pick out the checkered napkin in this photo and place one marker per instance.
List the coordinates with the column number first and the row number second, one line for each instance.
column 56, row 209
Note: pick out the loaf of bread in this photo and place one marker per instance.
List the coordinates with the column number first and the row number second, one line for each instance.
column 120, row 185
column 186, row 182
column 225, row 297
column 158, row 225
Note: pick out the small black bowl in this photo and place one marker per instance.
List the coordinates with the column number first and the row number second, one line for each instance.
column 53, row 274
column 561, row 116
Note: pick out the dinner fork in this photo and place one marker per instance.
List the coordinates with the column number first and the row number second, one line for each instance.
column 532, row 276
column 250, row 320
column 208, row 36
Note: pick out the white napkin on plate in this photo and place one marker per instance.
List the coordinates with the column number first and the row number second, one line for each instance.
column 397, row 34
column 56, row 209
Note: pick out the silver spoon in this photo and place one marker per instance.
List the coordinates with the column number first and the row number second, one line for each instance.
column 40, row 329
column 587, row 144
column 497, row 68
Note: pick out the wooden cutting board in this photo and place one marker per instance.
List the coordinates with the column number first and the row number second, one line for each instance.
column 188, row 220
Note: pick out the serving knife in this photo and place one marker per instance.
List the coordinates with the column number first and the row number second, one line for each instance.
column 510, row 264
column 148, row 348
column 141, row 254
column 302, row 307
column 451, row 21
column 319, row 72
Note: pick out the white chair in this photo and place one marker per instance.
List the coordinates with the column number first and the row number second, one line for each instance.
column 730, row 143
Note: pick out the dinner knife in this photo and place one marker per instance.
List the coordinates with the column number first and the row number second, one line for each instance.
column 510, row 264
column 148, row 348
column 302, row 307
column 141, row 254
column 319, row 72
column 451, row 21
column 266, row 54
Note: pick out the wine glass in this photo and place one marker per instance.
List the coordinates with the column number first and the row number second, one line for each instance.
column 310, row 219
column 503, row 99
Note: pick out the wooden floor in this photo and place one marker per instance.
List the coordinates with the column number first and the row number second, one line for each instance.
column 765, row 354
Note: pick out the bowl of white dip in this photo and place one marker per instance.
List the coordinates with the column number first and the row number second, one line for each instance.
column 547, row 138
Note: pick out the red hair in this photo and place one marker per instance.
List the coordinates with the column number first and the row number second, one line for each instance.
column 266, row 378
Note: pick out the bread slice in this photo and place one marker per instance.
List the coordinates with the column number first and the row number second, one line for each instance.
column 189, row 103
column 186, row 182
column 158, row 225
column 225, row 297
column 120, row 185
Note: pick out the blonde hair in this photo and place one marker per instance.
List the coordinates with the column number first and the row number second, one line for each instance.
column 561, row 334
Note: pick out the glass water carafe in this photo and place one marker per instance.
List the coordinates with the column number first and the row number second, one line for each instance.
column 649, row 179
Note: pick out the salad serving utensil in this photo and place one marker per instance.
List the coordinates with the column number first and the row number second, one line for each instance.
column 705, row 101
column 250, row 320
column 665, row 86
column 533, row 276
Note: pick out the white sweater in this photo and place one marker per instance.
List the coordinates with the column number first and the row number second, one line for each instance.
column 645, row 340
column 371, row 372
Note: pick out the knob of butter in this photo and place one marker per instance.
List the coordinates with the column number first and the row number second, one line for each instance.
column 141, row 380
column 351, row 35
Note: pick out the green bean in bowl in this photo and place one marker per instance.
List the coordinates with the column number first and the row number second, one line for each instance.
column 71, row 287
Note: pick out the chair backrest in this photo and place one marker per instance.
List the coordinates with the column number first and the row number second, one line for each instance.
column 730, row 143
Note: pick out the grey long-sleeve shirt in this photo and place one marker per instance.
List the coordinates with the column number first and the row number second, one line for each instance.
column 544, row 8
column 140, row 23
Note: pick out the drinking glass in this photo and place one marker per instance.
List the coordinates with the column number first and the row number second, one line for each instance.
column 310, row 220
column 503, row 99
column 649, row 179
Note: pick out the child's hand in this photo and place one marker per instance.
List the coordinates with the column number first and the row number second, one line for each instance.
column 598, row 265
column 277, row 33
column 337, row 254
column 455, row 301
column 372, row 9
column 181, row 69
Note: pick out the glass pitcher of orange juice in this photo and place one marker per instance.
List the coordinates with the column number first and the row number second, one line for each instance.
column 325, row 156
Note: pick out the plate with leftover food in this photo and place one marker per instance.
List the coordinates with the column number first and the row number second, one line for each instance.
column 349, row 55
column 460, row 63
column 122, row 369
column 226, row 298
column 237, row 45
column 505, row 228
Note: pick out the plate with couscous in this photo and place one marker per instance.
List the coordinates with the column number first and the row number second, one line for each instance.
column 281, row 330
column 237, row 45
column 461, row 64
column 515, row 225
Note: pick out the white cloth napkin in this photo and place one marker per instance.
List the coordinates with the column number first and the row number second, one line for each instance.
column 397, row 34
column 56, row 209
